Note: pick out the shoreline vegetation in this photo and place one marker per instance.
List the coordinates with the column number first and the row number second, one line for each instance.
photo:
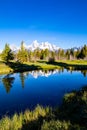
column 71, row 115
column 12, row 66
column 27, row 60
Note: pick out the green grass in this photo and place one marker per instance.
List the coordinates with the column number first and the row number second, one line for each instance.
column 4, row 68
column 74, row 62
column 27, row 66
column 44, row 65
column 27, row 120
column 72, row 115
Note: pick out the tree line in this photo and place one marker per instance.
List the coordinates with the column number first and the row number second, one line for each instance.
column 24, row 55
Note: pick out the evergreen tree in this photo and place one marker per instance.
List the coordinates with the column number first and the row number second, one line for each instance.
column 30, row 55
column 46, row 53
column 37, row 54
column 7, row 54
column 68, row 54
column 22, row 55
column 58, row 54
column 83, row 53
column 62, row 53
column 42, row 57
column 72, row 53
column 85, row 50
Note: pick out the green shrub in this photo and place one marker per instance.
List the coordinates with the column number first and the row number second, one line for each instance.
column 55, row 125
column 51, row 60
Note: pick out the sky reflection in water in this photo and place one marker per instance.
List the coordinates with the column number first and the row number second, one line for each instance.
column 20, row 91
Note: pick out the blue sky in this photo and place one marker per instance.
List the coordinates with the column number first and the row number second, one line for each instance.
column 61, row 22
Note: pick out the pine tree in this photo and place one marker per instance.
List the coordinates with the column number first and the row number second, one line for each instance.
column 22, row 55
column 83, row 52
column 7, row 54
column 42, row 57
column 68, row 54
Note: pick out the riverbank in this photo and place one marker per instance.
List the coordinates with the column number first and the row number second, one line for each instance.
column 72, row 115
column 44, row 65
column 22, row 67
column 73, row 64
column 5, row 69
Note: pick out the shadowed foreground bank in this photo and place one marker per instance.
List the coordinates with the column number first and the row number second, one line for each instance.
column 12, row 67
column 72, row 115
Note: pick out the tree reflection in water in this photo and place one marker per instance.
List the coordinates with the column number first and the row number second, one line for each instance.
column 8, row 79
column 8, row 82
column 22, row 78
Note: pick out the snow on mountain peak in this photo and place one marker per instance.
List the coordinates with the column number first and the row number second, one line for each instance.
column 14, row 47
column 35, row 44
column 42, row 46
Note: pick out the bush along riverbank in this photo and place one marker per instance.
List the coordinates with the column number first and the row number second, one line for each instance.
column 72, row 115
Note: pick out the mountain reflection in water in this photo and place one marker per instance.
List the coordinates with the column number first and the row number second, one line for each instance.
column 19, row 91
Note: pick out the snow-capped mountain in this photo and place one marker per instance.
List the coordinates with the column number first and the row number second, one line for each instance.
column 41, row 46
column 14, row 47
column 36, row 45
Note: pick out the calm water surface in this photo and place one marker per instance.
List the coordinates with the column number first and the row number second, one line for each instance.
column 20, row 91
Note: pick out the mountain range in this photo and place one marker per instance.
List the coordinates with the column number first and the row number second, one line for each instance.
column 36, row 45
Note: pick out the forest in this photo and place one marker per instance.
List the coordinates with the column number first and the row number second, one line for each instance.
column 24, row 55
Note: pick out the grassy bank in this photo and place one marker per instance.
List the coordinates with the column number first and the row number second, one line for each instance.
column 5, row 68
column 72, row 64
column 28, row 66
column 72, row 115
